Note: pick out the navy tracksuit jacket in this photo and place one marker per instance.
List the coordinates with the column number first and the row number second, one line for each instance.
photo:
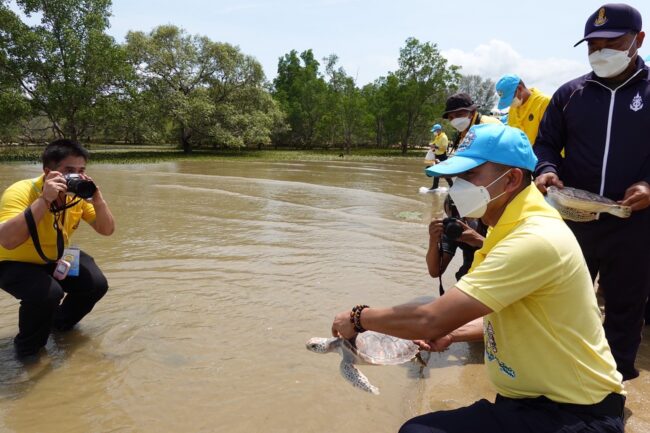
column 605, row 133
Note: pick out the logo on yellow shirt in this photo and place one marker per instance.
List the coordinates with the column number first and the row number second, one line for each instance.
column 491, row 352
column 601, row 18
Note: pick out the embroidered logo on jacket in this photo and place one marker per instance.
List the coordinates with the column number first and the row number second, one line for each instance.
column 637, row 103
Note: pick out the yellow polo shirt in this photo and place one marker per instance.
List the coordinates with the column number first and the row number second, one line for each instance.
column 528, row 115
column 15, row 200
column 544, row 336
column 440, row 142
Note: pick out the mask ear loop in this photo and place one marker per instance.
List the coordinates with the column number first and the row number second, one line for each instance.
column 493, row 182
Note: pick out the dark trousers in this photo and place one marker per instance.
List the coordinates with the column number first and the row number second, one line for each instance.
column 40, row 297
column 436, row 180
column 528, row 415
column 617, row 250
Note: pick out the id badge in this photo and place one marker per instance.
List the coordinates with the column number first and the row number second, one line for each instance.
column 61, row 270
column 71, row 255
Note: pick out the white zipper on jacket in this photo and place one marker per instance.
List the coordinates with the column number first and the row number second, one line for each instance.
column 609, row 125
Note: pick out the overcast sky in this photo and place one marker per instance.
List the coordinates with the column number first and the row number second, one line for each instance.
column 531, row 38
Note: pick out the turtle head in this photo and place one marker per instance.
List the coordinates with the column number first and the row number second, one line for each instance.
column 321, row 345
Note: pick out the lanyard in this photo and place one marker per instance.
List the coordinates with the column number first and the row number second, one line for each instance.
column 31, row 225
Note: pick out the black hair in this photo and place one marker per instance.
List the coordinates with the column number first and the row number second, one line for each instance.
column 60, row 149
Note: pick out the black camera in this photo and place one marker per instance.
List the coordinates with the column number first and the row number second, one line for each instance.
column 79, row 186
column 452, row 228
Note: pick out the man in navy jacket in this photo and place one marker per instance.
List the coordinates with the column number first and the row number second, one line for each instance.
column 602, row 121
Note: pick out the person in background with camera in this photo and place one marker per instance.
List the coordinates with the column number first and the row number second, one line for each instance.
column 37, row 219
column 447, row 235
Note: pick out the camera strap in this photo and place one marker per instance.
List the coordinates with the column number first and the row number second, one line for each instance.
column 31, row 225
column 72, row 203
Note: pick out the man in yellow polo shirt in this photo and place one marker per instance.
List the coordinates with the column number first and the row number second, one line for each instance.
column 552, row 368
column 439, row 146
column 37, row 266
column 527, row 106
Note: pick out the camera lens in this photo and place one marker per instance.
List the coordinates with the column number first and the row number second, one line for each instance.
column 81, row 187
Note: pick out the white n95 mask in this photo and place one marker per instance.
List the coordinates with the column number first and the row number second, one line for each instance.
column 608, row 63
column 460, row 123
column 471, row 200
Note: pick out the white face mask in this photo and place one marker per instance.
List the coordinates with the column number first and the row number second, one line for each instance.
column 471, row 200
column 460, row 123
column 516, row 102
column 608, row 63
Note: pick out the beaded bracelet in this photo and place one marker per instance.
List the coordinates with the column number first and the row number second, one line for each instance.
column 355, row 317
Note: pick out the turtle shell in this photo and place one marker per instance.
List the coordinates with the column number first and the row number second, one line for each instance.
column 382, row 349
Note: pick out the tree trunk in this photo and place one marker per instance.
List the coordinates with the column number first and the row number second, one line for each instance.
column 185, row 134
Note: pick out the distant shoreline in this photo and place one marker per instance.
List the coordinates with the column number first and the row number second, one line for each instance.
column 129, row 154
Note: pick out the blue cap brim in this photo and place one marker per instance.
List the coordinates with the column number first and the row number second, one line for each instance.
column 453, row 166
column 506, row 100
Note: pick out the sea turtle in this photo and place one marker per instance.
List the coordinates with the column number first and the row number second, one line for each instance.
column 580, row 205
column 366, row 348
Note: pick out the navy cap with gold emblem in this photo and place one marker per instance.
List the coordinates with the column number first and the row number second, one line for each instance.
column 612, row 21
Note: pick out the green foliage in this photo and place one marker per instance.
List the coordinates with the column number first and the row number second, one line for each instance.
column 65, row 76
column 210, row 91
column 345, row 120
column 66, row 65
column 14, row 110
column 420, row 87
column 302, row 93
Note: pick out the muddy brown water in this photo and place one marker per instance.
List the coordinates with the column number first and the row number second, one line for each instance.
column 219, row 273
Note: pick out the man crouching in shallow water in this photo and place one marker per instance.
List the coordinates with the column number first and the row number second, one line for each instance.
column 37, row 218
column 552, row 368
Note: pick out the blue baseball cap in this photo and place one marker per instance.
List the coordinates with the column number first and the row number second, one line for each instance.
column 612, row 21
column 488, row 142
column 506, row 87
column 436, row 127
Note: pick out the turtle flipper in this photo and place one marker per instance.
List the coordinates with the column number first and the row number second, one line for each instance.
column 620, row 211
column 353, row 375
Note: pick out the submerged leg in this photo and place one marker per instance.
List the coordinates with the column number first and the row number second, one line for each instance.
column 352, row 374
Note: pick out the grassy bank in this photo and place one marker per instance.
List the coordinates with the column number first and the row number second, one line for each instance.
column 125, row 154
